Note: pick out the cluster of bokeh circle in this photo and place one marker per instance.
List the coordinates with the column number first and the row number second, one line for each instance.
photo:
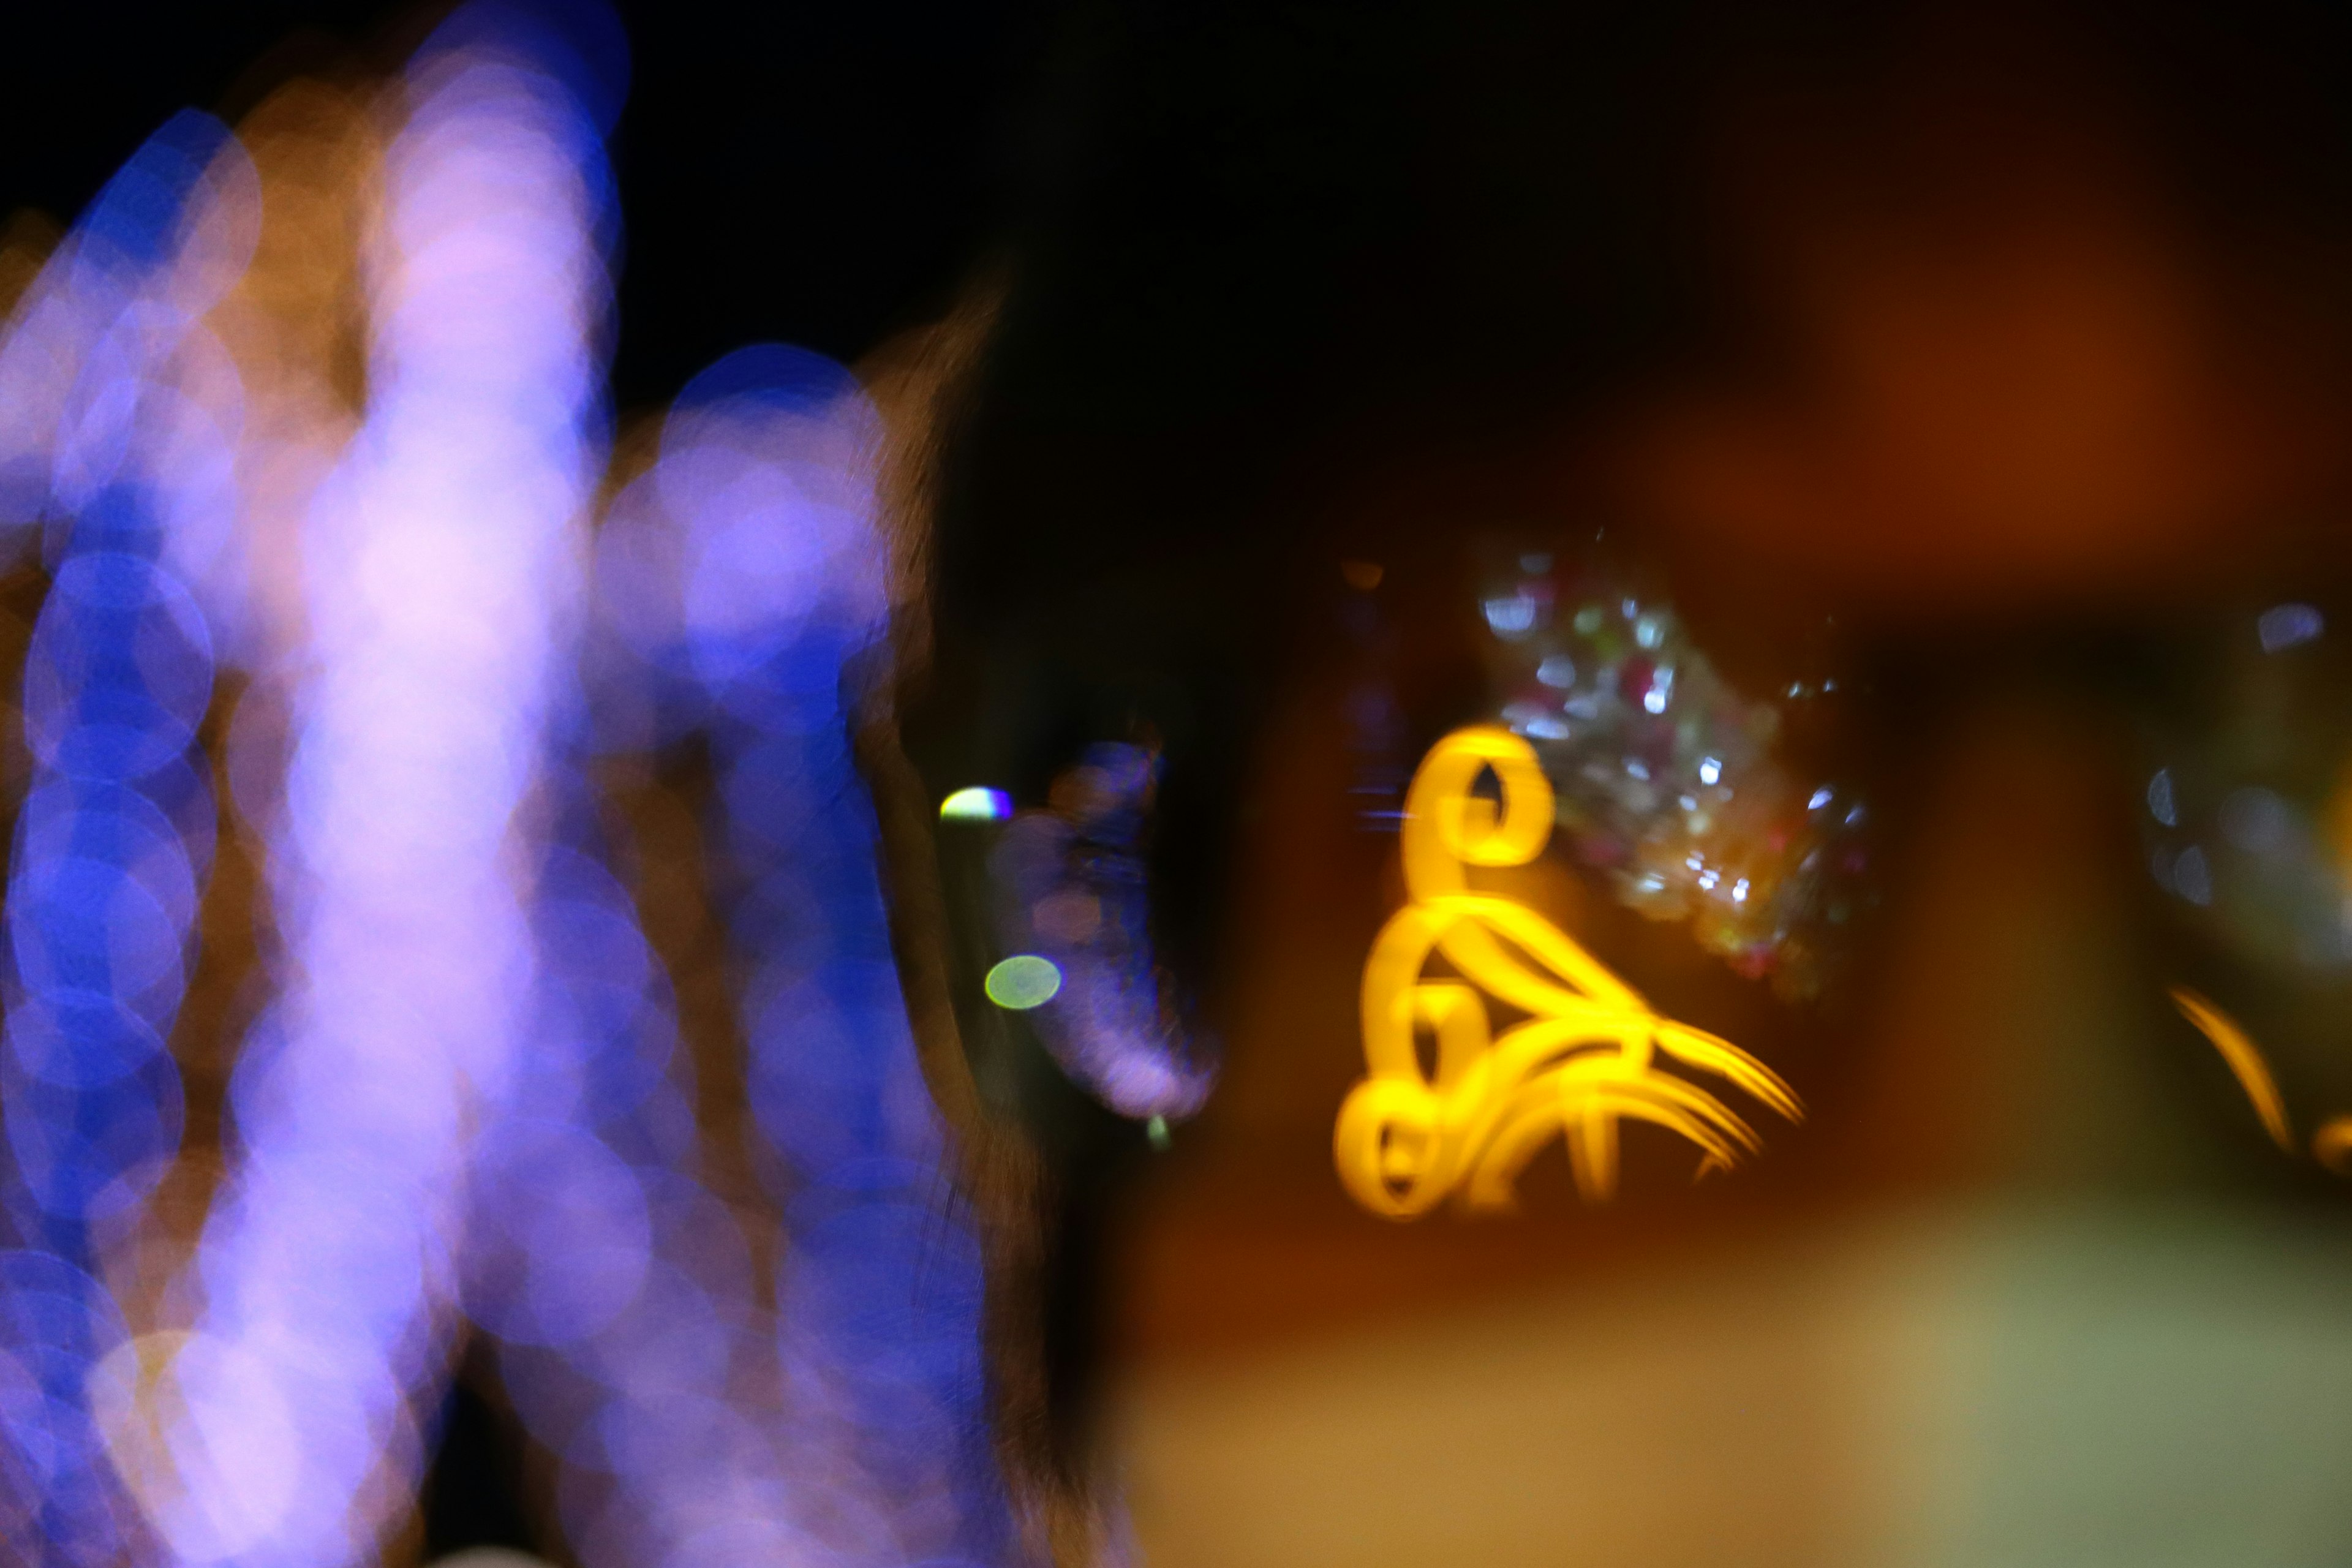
column 463, row 1099
column 115, row 834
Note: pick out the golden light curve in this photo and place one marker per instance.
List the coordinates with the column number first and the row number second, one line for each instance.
column 2244, row 1059
column 2331, row 1143
column 1586, row 1057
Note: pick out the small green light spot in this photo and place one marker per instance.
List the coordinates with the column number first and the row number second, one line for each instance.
column 976, row 805
column 1157, row 1131
column 1023, row 982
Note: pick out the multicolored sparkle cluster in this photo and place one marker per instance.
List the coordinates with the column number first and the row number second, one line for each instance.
column 1670, row 781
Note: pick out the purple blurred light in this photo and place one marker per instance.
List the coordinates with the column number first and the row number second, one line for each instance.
column 439, row 559
column 466, row 1092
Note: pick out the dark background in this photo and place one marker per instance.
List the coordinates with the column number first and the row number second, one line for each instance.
column 812, row 172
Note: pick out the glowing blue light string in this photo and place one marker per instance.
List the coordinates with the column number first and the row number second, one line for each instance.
column 114, row 837
column 438, row 560
column 467, row 1094
column 621, row 1287
column 767, row 471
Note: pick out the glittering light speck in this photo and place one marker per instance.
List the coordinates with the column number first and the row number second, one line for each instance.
column 976, row 805
column 2160, row 799
column 1709, row 769
column 1023, row 982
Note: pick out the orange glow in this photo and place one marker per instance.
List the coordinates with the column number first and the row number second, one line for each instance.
column 2335, row 827
column 1586, row 1057
column 2245, row 1059
column 2332, row 1144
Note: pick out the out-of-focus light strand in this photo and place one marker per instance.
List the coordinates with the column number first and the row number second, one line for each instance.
column 742, row 580
column 435, row 594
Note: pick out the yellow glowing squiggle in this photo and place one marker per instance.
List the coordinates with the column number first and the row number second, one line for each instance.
column 1585, row 1059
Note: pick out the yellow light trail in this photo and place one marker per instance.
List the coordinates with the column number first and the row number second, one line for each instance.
column 2244, row 1059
